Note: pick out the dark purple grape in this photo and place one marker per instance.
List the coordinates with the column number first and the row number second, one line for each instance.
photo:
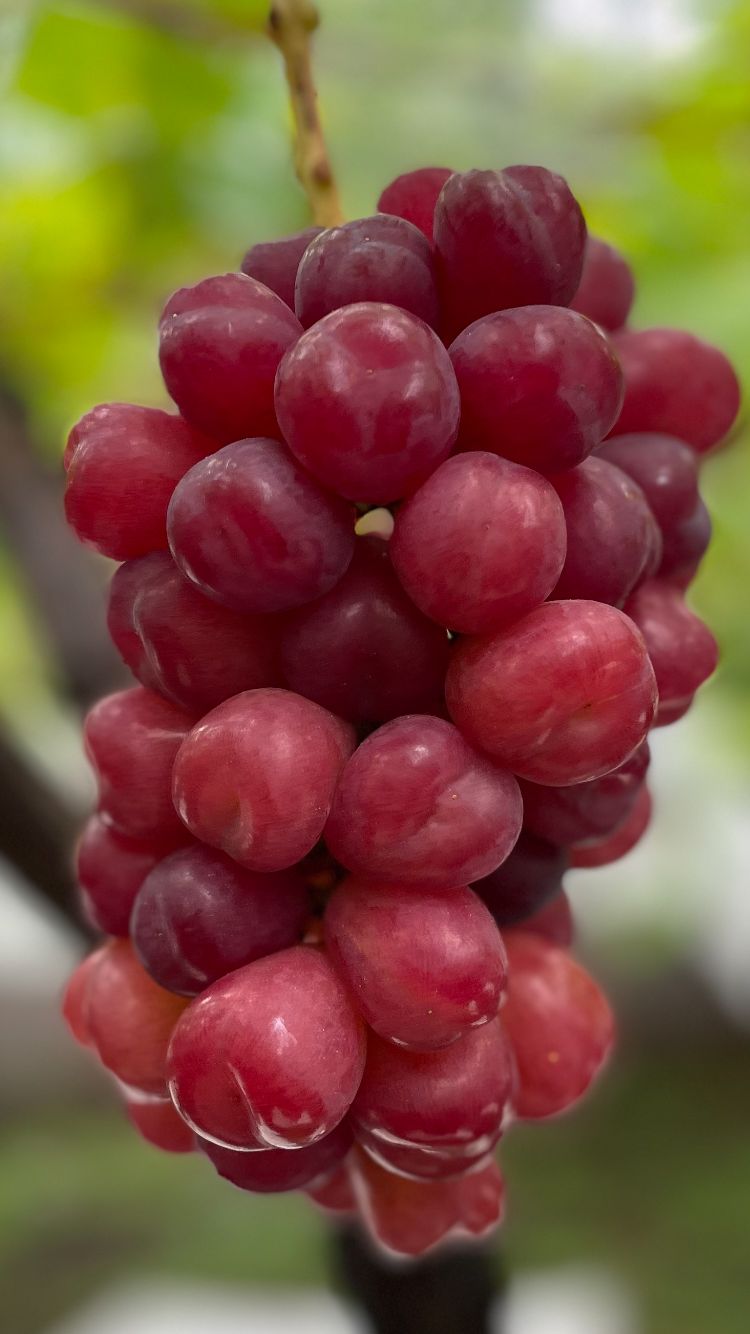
column 363, row 650
column 527, row 879
column 382, row 258
column 198, row 915
column 275, row 263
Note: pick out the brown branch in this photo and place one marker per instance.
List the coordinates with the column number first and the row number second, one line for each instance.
column 291, row 24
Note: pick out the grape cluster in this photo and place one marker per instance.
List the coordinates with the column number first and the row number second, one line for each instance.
column 403, row 589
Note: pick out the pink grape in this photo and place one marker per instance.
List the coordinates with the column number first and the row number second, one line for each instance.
column 607, row 287
column 183, row 645
column 411, row 1217
column 275, row 263
column 423, row 968
column 130, row 1018
column 539, row 385
column 199, row 915
column 447, row 1099
column 270, row 1171
column 123, row 463
column 363, row 650
column 676, row 384
column 610, row 532
column 220, row 343
column 423, row 1164
column 480, row 543
column 368, row 402
column 681, row 647
column 527, row 879
column 589, row 811
column 382, row 258
column 254, row 532
column 618, row 843
column 417, row 806
column 562, row 696
column 559, row 1024
column 111, row 867
column 665, row 469
column 159, row 1124
column 270, row 1056
column 255, row 778
column 506, row 238
column 131, row 740
column 414, row 195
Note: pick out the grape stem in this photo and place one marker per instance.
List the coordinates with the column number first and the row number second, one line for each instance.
column 291, row 24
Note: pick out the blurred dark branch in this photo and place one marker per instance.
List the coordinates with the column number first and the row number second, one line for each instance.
column 64, row 583
column 38, row 825
column 452, row 1292
column 37, row 831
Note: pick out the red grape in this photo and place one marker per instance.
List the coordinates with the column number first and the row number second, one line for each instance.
column 275, row 263
column 559, row 1024
column 368, row 401
column 130, row 1018
column 414, row 195
column 554, row 921
column 256, row 776
column 452, row 1099
column 382, row 258
column 665, row 469
column 253, row 531
column 75, row 1001
column 333, row 1192
column 416, row 806
column 363, row 650
column 423, row 968
column 480, row 543
column 111, row 868
column 622, row 840
column 607, row 287
column 610, row 532
column 506, row 238
column 677, row 384
column 681, row 647
column 411, row 1217
column 564, row 695
column 220, row 343
column 123, row 464
column 132, row 738
column 270, row 1171
column 178, row 642
column 159, row 1124
column 270, row 1056
column 527, row 879
column 199, row 915
column 539, row 385
column 585, row 812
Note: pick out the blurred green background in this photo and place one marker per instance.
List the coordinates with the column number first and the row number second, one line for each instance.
column 144, row 144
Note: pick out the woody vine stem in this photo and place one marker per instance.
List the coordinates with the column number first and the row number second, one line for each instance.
column 291, row 24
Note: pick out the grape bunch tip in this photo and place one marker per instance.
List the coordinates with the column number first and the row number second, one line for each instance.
column 401, row 586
